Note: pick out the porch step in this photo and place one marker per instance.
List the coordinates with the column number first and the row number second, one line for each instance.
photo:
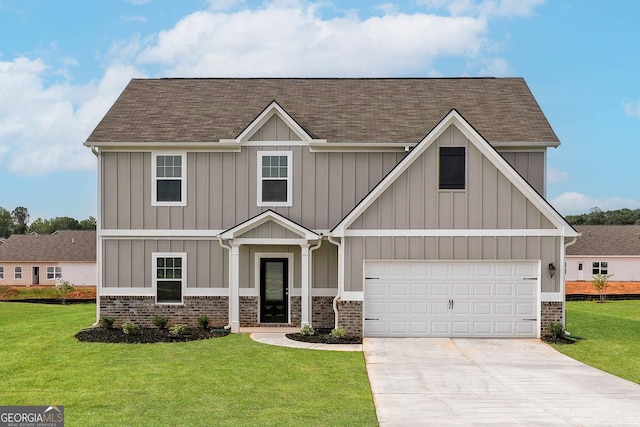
column 269, row 329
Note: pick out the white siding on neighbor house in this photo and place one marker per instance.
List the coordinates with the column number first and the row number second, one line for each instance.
column 623, row 268
column 79, row 273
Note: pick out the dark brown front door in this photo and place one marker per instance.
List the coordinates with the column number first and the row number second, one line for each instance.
column 274, row 295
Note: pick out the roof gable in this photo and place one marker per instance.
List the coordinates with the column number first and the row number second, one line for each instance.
column 267, row 216
column 273, row 110
column 553, row 218
column 388, row 110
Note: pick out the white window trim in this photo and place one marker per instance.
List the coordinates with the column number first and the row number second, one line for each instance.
column 259, row 157
column 15, row 273
column 55, row 270
column 154, row 179
column 154, row 272
column 290, row 257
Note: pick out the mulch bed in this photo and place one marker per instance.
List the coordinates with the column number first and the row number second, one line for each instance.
column 146, row 335
column 323, row 336
column 561, row 340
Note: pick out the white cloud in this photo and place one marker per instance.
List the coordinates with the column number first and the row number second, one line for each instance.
column 139, row 2
column 632, row 108
column 556, row 175
column 292, row 40
column 573, row 203
column 224, row 4
column 134, row 18
column 43, row 127
column 502, row 8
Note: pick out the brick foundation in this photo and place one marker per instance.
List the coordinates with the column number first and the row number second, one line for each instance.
column 248, row 312
column 350, row 317
column 322, row 315
column 141, row 310
column 296, row 311
column 551, row 312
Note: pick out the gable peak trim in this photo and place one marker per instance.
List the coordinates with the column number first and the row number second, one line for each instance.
column 264, row 217
column 270, row 110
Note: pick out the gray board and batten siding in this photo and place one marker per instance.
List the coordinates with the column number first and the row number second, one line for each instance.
column 413, row 201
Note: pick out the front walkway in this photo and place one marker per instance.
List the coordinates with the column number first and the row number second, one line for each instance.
column 462, row 382
column 279, row 339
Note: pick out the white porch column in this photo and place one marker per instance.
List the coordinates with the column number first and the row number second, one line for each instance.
column 234, row 288
column 305, row 302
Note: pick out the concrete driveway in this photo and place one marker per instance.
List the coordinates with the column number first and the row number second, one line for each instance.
column 474, row 382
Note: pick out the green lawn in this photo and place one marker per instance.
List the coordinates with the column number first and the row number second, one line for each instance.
column 225, row 381
column 609, row 336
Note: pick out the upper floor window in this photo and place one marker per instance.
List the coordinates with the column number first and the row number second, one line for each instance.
column 169, row 183
column 169, row 276
column 54, row 273
column 599, row 267
column 17, row 273
column 274, row 178
column 452, row 168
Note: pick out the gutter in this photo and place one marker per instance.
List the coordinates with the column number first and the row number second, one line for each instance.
column 563, row 289
column 227, row 247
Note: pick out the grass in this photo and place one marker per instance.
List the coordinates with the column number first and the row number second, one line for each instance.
column 230, row 381
column 608, row 336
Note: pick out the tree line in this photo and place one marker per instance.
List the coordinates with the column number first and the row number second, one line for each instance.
column 17, row 222
column 597, row 217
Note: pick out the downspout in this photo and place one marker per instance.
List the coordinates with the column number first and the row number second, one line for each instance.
column 310, row 280
column 227, row 247
column 96, row 152
column 340, row 280
column 563, row 281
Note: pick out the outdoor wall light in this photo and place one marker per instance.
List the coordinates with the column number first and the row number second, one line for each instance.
column 552, row 270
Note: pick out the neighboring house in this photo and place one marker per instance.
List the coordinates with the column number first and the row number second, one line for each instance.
column 40, row 259
column 392, row 207
column 605, row 249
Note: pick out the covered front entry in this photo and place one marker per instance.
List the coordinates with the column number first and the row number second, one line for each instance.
column 274, row 290
column 451, row 299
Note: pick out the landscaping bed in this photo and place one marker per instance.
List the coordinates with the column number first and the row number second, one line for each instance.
column 323, row 336
column 147, row 335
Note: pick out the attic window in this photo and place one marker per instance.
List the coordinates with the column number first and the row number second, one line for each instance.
column 452, row 168
column 274, row 178
column 169, row 182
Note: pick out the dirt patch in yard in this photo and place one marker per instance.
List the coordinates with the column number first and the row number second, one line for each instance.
column 614, row 288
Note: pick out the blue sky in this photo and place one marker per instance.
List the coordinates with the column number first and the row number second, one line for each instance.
column 62, row 64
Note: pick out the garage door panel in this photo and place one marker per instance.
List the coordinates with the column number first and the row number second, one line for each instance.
column 440, row 299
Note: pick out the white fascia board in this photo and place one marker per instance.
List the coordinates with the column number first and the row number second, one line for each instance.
column 159, row 234
column 269, row 241
column 351, row 296
column 551, row 296
column 127, row 292
column 498, row 232
column 135, row 147
column 525, row 145
column 267, row 113
column 351, row 147
column 264, row 217
column 206, row 292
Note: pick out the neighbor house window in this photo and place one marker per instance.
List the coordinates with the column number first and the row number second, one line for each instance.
column 452, row 168
column 54, row 273
column 169, row 183
column 169, row 277
column 274, row 178
column 601, row 267
column 1, row 273
column 17, row 273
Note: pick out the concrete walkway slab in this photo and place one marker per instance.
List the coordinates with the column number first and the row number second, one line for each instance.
column 280, row 339
column 460, row 382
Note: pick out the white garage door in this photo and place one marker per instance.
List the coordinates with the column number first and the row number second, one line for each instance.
column 450, row 299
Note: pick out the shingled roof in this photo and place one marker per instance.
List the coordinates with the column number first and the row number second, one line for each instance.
column 384, row 110
column 606, row 240
column 63, row 245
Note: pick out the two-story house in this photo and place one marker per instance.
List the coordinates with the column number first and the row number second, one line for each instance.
column 392, row 207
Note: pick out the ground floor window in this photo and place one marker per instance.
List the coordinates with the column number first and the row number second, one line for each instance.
column 599, row 267
column 17, row 273
column 54, row 273
column 1, row 273
column 169, row 277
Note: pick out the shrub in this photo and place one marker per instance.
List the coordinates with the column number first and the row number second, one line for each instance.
column 129, row 328
column 338, row 332
column 203, row 321
column 160, row 321
column 107, row 322
column 600, row 282
column 178, row 329
column 63, row 287
column 555, row 330
column 307, row 330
